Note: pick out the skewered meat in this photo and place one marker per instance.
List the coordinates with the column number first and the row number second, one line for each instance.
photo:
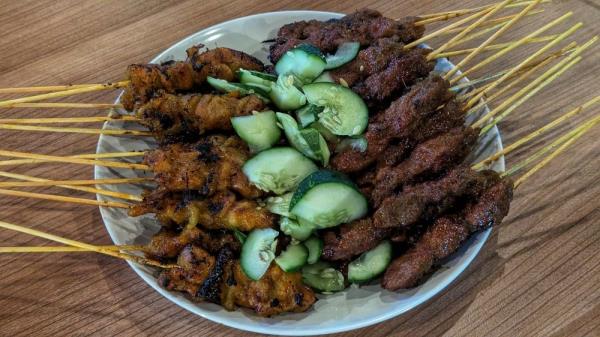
column 221, row 211
column 175, row 118
column 167, row 243
column 403, row 119
column 428, row 158
column 383, row 70
column 353, row 239
column 209, row 166
column 429, row 199
column 184, row 76
column 447, row 234
column 364, row 26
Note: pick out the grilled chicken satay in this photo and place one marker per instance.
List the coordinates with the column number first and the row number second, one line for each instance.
column 184, row 118
column 447, row 234
column 184, row 76
column 364, row 26
column 223, row 210
column 404, row 119
column 168, row 243
column 209, row 166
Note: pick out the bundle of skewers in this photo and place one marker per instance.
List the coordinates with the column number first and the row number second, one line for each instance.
column 413, row 162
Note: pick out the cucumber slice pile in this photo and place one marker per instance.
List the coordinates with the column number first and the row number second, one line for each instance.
column 292, row 258
column 285, row 95
column 295, row 229
column 308, row 141
column 326, row 199
column 308, row 114
column 242, row 89
column 280, row 204
column 259, row 130
column 258, row 252
column 305, row 62
column 345, row 53
column 322, row 277
column 370, row 264
column 278, row 169
column 315, row 249
column 255, row 78
column 344, row 112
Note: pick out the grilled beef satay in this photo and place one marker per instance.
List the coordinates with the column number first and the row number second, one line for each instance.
column 184, row 76
column 447, row 234
column 402, row 120
column 352, row 239
column 214, row 164
column 184, row 118
column 364, row 26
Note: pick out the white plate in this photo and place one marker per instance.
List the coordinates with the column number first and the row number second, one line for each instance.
column 351, row 309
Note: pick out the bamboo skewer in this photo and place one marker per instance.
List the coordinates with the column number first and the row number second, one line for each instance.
column 43, row 88
column 64, row 93
column 72, row 160
column 512, row 46
column 467, row 30
column 490, row 40
column 494, row 46
column 79, row 244
column 56, row 120
column 61, row 198
column 478, row 34
column 534, row 83
column 460, row 12
column 67, row 105
column 67, row 249
column 529, row 95
column 83, row 156
column 525, row 62
column 493, row 22
column 108, row 132
column 537, row 133
column 44, row 182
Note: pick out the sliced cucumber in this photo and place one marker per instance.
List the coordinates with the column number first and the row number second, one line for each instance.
column 293, row 257
column 322, row 277
column 330, row 137
column 241, row 237
column 345, row 53
column 305, row 61
column 358, row 144
column 258, row 251
column 315, row 249
column 308, row 114
column 285, row 95
column 327, row 199
column 242, row 89
column 255, row 77
column 278, row 169
column 308, row 141
column 324, row 77
column 344, row 113
column 280, row 204
column 370, row 264
column 259, row 130
column 298, row 231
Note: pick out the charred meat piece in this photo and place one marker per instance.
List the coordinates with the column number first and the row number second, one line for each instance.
column 209, row 166
column 184, row 76
column 364, row 26
column 176, row 118
column 353, row 239
column 168, row 243
column 429, row 199
column 383, row 70
column 428, row 158
column 402, row 120
column 447, row 234
column 221, row 211
column 276, row 291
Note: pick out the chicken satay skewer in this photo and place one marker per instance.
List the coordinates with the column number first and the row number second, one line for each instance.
column 10, row 162
column 64, row 105
column 67, row 249
column 71, row 160
column 57, row 120
column 108, row 132
column 79, row 244
column 73, row 200
column 41, row 183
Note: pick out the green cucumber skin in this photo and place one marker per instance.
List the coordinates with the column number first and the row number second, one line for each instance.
column 292, row 258
column 259, row 131
column 304, row 61
column 269, row 165
column 242, row 89
column 317, row 178
column 344, row 114
column 346, row 52
column 315, row 249
column 251, row 261
column 370, row 264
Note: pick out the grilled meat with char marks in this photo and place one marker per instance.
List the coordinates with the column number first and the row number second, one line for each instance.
column 168, row 243
column 352, row 239
column 184, row 76
column 221, row 211
column 184, row 118
column 364, row 26
column 447, row 234
column 209, row 166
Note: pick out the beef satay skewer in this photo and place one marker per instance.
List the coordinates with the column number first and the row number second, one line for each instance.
column 42, row 183
column 79, row 244
column 460, row 12
column 503, row 45
column 496, row 23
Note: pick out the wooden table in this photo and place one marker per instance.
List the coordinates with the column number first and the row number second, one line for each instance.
column 539, row 273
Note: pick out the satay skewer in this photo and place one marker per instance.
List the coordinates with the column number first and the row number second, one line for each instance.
column 108, row 132
column 70, row 105
column 493, row 22
column 71, row 160
column 73, row 200
column 503, row 45
column 42, row 183
column 57, row 120
column 113, row 155
column 460, row 12
column 67, row 249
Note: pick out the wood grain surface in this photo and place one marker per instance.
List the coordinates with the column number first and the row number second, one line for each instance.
column 538, row 275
